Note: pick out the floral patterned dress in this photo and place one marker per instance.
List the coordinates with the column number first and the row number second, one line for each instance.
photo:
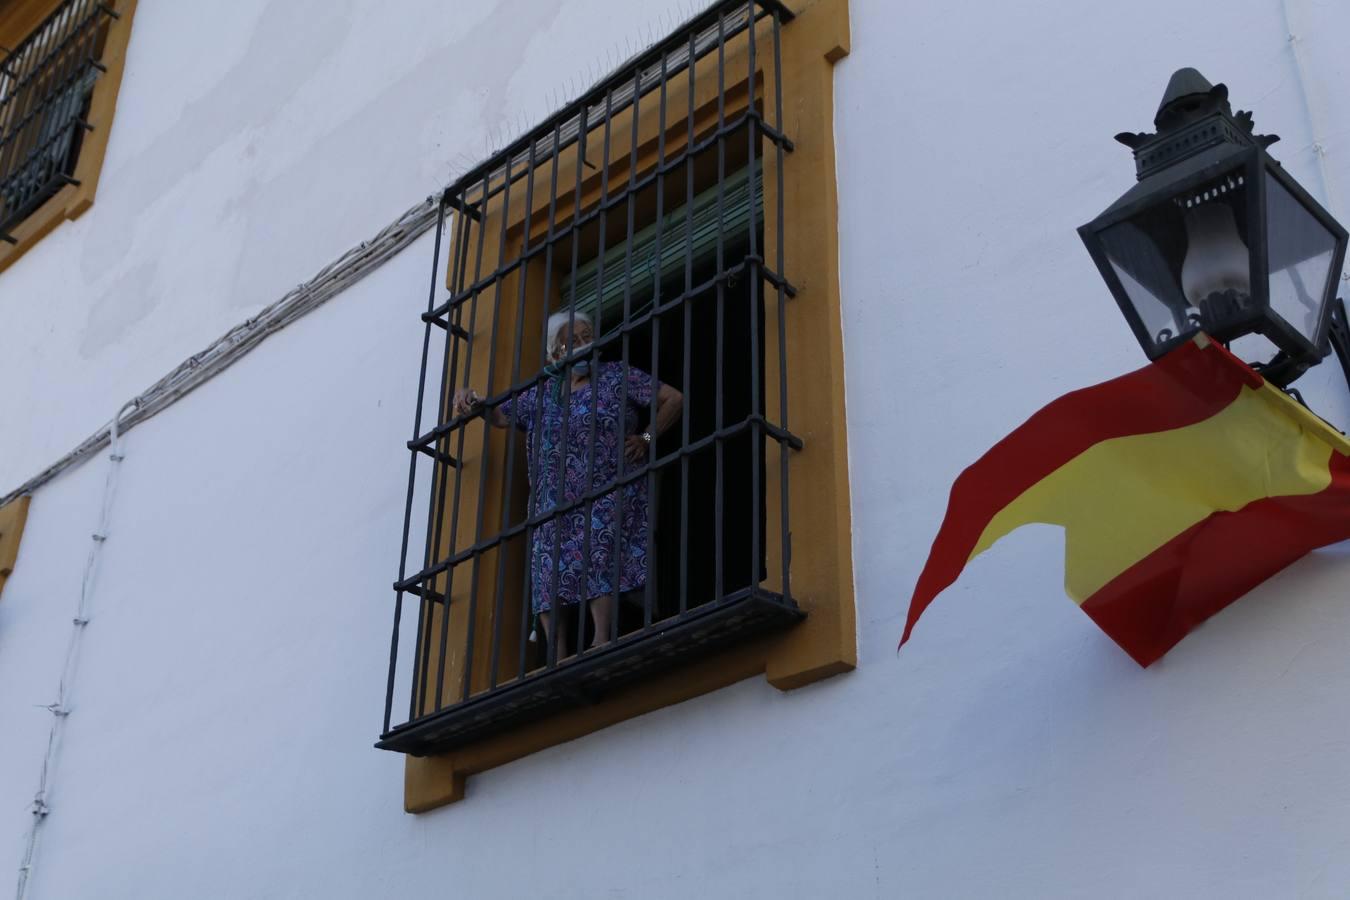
column 568, row 559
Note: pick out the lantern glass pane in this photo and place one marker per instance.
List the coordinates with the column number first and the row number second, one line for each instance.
column 1184, row 261
column 1148, row 274
column 1300, row 252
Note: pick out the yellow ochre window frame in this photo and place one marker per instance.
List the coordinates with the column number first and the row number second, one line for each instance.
column 13, row 515
column 825, row 643
column 18, row 19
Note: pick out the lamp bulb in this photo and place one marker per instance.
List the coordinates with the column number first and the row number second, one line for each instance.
column 1216, row 259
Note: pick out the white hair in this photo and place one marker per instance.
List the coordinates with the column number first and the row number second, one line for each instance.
column 558, row 322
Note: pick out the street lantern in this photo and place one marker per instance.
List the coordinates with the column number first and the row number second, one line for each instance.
column 1217, row 237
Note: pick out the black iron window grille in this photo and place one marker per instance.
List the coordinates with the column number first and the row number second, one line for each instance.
column 45, row 87
column 653, row 205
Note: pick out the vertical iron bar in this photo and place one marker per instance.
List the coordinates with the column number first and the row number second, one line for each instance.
column 584, row 601
column 412, row 471
column 621, row 420
column 22, row 91
column 26, row 96
column 718, row 499
column 56, row 75
column 93, row 60
column 781, row 265
column 687, row 308
column 754, row 273
column 653, row 565
column 427, row 606
column 49, row 87
column 47, row 41
column 564, row 389
column 93, row 41
column 446, row 396
column 67, row 106
column 70, row 103
column 476, row 564
column 440, row 472
column 19, row 71
column 499, row 585
column 8, row 86
column 527, row 614
column 56, row 104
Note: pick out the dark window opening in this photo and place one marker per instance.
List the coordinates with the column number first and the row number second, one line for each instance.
column 687, row 539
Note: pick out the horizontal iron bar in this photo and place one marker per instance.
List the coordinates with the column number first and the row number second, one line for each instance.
column 42, row 68
column 444, row 428
column 424, row 593
column 615, row 200
column 457, row 330
column 621, row 77
column 772, row 277
column 732, row 124
column 18, row 128
column 468, row 209
column 434, row 454
column 34, row 199
column 705, row 628
column 782, row 435
column 55, row 14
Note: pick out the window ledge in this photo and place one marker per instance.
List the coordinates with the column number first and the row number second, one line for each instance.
column 584, row 680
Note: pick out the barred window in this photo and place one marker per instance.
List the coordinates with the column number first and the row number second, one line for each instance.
column 599, row 479
column 46, row 84
column 60, row 69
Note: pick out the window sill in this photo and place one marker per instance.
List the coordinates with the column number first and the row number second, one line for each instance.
column 583, row 680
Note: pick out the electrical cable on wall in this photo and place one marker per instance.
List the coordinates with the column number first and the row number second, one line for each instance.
column 328, row 282
column 1319, row 147
column 334, row 278
column 60, row 707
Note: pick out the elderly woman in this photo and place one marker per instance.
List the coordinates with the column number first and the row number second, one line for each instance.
column 577, row 423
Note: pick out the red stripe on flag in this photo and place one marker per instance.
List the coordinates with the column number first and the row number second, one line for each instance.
column 1186, row 386
column 1157, row 601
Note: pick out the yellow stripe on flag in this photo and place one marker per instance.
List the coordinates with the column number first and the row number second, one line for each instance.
column 1121, row 499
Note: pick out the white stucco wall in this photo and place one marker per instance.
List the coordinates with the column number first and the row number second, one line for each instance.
column 233, row 675
column 253, row 143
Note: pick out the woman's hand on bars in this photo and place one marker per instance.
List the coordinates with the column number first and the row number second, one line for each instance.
column 466, row 401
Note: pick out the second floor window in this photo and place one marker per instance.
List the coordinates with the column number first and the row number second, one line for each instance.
column 46, row 88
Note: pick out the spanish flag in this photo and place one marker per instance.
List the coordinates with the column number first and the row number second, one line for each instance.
column 1180, row 487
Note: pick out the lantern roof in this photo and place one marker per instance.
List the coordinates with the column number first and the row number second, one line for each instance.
column 1193, row 118
column 1187, row 87
column 1176, row 176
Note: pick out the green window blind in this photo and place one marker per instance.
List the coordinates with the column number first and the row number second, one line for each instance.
column 679, row 232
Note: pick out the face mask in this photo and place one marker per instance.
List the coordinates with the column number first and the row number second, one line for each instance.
column 556, row 368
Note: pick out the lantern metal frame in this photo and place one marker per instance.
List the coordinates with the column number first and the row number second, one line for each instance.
column 1199, row 143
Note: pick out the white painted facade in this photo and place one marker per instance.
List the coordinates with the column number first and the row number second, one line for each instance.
column 232, row 677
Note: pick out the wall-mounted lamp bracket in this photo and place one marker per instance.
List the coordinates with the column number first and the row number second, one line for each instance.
column 1340, row 336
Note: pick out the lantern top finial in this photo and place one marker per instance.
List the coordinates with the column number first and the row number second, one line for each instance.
column 1193, row 117
column 1188, row 93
